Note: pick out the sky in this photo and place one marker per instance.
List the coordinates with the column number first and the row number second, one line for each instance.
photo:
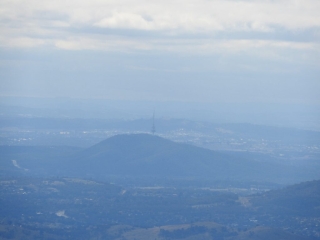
column 212, row 51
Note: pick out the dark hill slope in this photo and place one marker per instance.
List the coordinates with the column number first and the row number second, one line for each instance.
column 34, row 160
column 265, row 233
column 148, row 155
column 298, row 200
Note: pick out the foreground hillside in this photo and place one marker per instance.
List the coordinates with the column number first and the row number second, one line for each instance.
column 71, row 208
column 297, row 200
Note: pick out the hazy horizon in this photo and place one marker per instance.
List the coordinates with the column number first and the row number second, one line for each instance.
column 301, row 116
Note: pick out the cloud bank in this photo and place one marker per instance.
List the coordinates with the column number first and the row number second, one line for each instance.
column 175, row 25
column 182, row 50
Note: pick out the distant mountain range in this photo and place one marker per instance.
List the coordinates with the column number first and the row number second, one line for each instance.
column 86, row 132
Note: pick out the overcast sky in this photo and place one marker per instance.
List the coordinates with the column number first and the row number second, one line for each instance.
column 215, row 51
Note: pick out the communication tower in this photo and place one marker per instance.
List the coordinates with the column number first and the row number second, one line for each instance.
column 153, row 129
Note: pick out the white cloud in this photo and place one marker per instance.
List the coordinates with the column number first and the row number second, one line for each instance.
column 125, row 20
column 284, row 51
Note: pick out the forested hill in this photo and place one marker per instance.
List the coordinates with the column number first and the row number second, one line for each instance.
column 149, row 155
column 145, row 155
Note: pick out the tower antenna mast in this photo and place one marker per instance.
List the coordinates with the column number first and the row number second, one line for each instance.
column 153, row 129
